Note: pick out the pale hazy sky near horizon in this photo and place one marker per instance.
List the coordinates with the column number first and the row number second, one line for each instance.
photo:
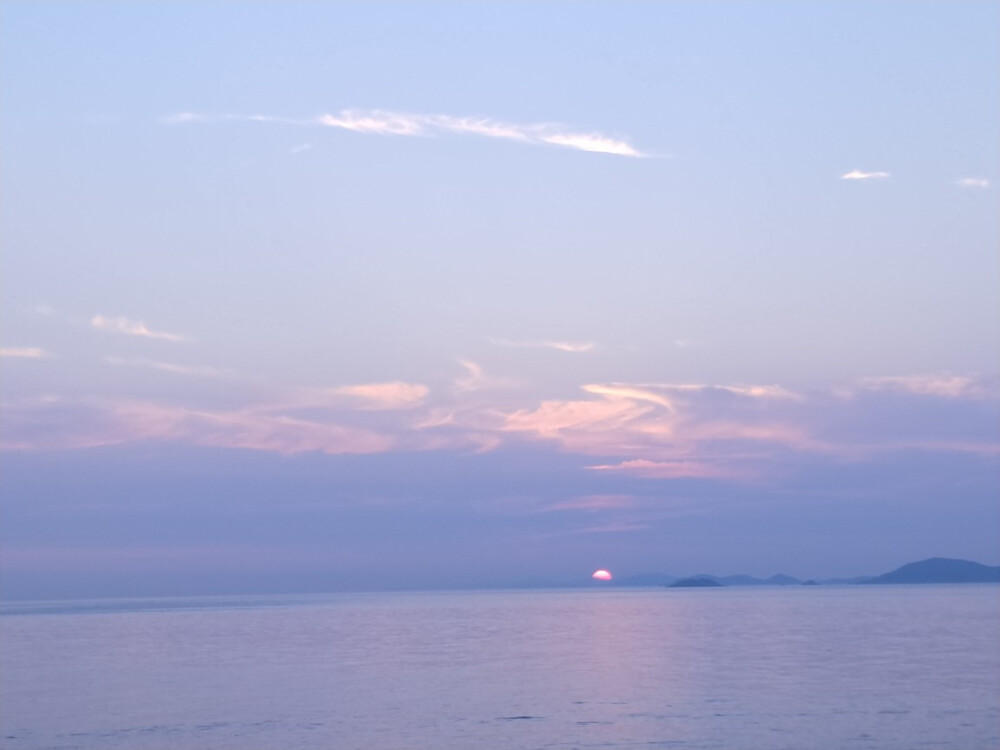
column 321, row 296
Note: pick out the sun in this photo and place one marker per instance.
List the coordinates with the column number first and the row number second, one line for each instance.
column 601, row 575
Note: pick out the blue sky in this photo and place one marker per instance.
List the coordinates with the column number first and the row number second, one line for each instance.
column 318, row 296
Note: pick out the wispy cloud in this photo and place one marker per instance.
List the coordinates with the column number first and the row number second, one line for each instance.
column 594, row 503
column 574, row 347
column 475, row 378
column 946, row 385
column 377, row 122
column 202, row 371
column 24, row 352
column 857, row 174
column 93, row 423
column 606, row 528
column 181, row 118
column 680, row 469
column 973, row 182
column 396, row 395
column 680, row 427
column 131, row 328
column 627, row 391
column 752, row 391
column 364, row 397
column 383, row 122
column 388, row 123
column 472, row 380
column 564, row 419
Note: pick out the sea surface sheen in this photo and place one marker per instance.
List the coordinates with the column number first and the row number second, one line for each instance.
column 868, row 667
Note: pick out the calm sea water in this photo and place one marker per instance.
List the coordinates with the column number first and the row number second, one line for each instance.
column 868, row 667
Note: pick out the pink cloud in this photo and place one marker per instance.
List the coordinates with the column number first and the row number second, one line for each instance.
column 395, row 395
column 552, row 418
column 593, row 503
column 630, row 392
column 23, row 352
column 772, row 432
column 131, row 328
column 656, row 431
column 665, row 421
column 680, row 469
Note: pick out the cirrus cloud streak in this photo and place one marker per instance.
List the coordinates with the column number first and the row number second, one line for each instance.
column 23, row 352
column 389, row 123
column 128, row 327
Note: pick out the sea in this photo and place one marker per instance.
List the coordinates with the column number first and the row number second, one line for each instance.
column 906, row 667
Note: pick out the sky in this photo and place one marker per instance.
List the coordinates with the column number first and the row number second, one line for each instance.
column 341, row 296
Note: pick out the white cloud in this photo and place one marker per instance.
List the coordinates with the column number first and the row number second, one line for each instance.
column 594, row 142
column 575, row 347
column 973, row 182
column 131, row 328
column 383, row 122
column 857, row 174
column 25, row 352
column 192, row 117
column 760, row 391
column 569, row 346
column 387, row 123
column 379, row 123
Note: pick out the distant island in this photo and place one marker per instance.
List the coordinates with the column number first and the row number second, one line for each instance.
column 932, row 570
column 697, row 582
column 940, row 570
